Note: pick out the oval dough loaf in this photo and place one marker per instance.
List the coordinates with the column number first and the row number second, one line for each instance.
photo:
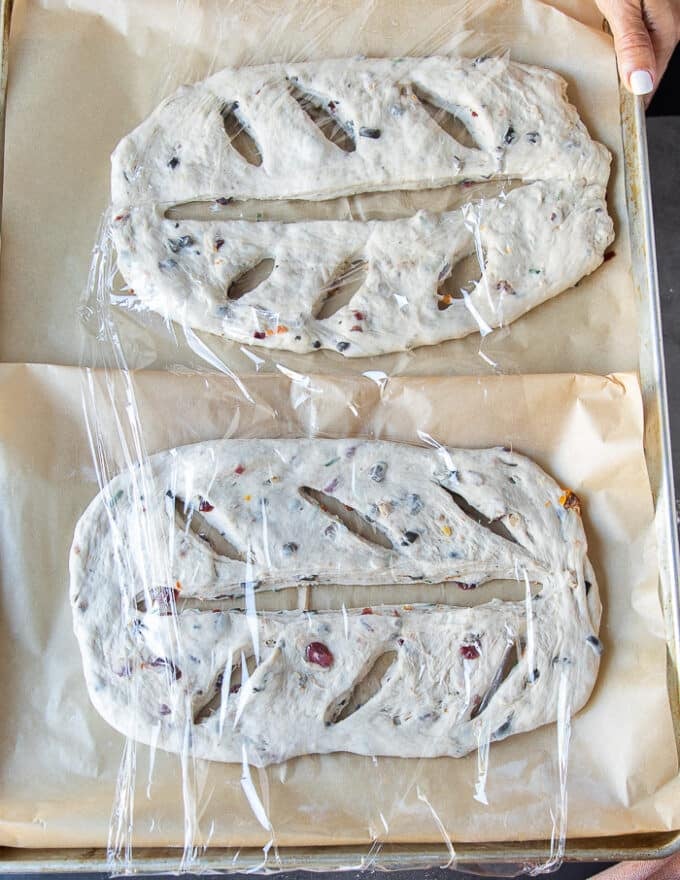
column 531, row 243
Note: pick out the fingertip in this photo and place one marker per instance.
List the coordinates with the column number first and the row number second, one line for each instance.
column 641, row 82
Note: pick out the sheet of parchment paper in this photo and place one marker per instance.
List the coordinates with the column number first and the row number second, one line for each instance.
column 59, row 759
column 85, row 72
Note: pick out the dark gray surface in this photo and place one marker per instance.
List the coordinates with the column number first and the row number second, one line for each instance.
column 666, row 101
column 664, row 152
column 664, row 158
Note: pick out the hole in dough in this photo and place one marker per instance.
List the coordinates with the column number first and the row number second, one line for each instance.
column 354, row 521
column 326, row 597
column 497, row 526
column 250, row 279
column 239, row 136
column 342, row 287
column 163, row 600
column 447, row 120
column 189, row 519
column 237, row 679
column 464, row 276
column 379, row 205
column 510, row 659
column 364, row 689
column 320, row 111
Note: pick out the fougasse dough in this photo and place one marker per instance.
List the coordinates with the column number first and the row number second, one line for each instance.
column 537, row 240
column 161, row 545
column 518, row 114
column 532, row 243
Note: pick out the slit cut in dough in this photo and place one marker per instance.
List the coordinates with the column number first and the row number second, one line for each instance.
column 451, row 675
column 532, row 243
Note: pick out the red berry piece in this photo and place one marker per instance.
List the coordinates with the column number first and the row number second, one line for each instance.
column 205, row 506
column 239, row 469
column 469, row 652
column 317, row 652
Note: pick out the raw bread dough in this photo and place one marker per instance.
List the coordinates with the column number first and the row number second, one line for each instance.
column 517, row 114
column 160, row 545
column 533, row 243
column 536, row 241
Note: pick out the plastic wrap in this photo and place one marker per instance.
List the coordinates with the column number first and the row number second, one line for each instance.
column 300, row 799
column 192, row 556
column 61, row 759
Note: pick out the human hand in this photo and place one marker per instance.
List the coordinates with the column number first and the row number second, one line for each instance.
column 645, row 34
column 668, row 869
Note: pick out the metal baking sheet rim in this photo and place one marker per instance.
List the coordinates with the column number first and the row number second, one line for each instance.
column 658, row 455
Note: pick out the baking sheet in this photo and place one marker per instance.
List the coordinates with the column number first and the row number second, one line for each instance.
column 83, row 60
column 80, row 60
column 59, row 759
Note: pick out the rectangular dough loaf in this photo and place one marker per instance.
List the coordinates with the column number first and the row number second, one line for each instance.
column 159, row 546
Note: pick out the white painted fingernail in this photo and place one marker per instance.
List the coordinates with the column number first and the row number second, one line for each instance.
column 641, row 82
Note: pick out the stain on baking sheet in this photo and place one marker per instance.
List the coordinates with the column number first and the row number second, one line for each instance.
column 350, row 518
column 392, row 205
column 321, row 112
column 347, row 280
column 250, row 279
column 190, row 519
column 239, row 136
column 364, row 689
column 449, row 122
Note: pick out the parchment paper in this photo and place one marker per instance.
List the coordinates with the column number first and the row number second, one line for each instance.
column 59, row 759
column 85, row 72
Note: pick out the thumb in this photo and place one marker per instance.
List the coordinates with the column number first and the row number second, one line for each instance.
column 634, row 50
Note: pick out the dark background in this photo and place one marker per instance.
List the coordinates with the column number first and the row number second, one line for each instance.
column 666, row 102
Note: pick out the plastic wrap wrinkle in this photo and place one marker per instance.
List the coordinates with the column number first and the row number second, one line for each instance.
column 585, row 431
